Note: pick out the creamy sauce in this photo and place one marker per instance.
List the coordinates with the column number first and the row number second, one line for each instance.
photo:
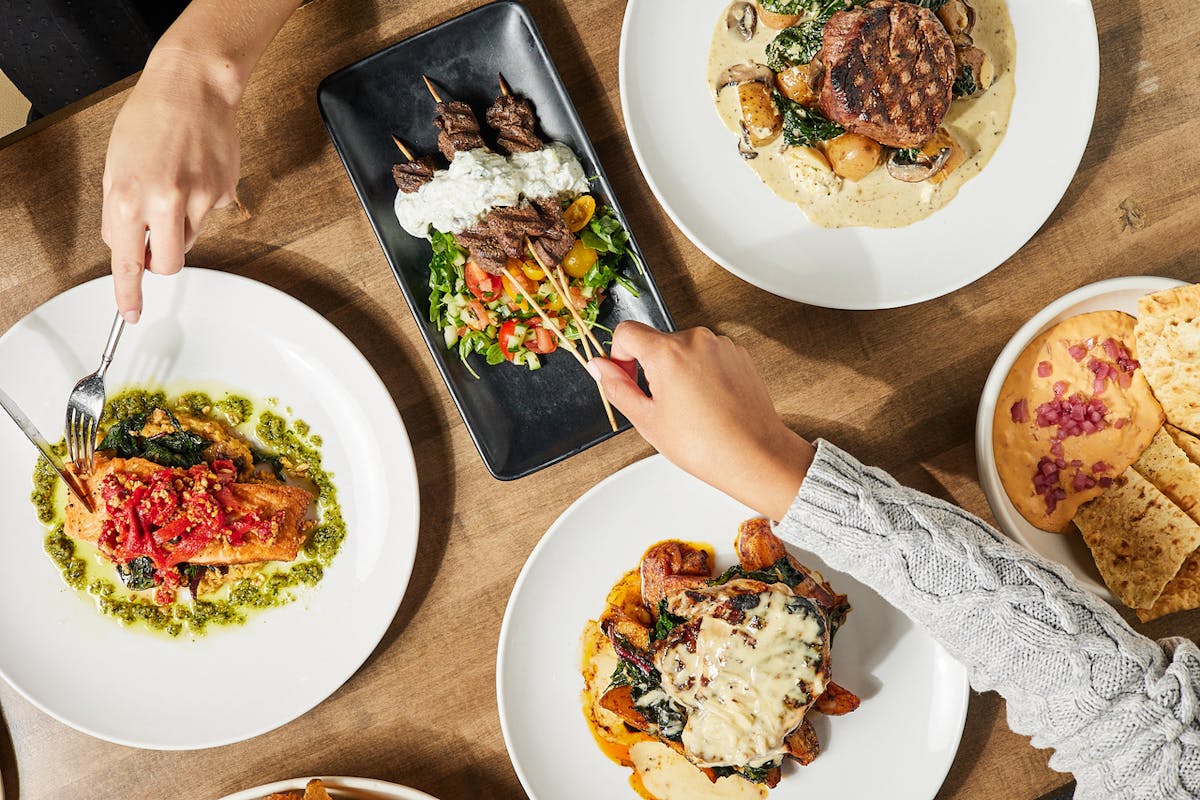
column 667, row 775
column 879, row 201
column 745, row 686
column 479, row 180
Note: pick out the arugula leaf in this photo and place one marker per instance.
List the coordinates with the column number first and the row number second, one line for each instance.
column 444, row 270
column 805, row 127
column 665, row 623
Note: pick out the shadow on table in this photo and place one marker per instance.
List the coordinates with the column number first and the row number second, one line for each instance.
column 9, row 780
column 365, row 323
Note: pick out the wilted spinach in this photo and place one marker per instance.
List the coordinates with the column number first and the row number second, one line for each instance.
column 177, row 448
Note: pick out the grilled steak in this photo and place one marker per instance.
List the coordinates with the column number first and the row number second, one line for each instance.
column 512, row 117
column 413, row 175
column 557, row 240
column 502, row 233
column 889, row 72
column 458, row 129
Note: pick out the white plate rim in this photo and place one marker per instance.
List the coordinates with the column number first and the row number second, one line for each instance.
column 1057, row 191
column 527, row 569
column 409, row 560
column 1007, row 518
column 385, row 788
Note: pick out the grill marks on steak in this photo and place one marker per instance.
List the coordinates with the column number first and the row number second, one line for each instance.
column 413, row 175
column 458, row 129
column 890, row 70
column 512, row 118
column 501, row 235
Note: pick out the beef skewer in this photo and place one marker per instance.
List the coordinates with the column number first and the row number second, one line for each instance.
column 458, row 129
column 414, row 173
column 512, row 118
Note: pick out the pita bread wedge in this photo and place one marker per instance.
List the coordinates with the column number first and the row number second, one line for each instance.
column 1047, row 464
column 1168, row 467
column 1168, row 346
column 1188, row 443
column 1138, row 537
column 1181, row 594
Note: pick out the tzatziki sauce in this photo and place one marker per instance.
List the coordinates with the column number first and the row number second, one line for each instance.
column 478, row 180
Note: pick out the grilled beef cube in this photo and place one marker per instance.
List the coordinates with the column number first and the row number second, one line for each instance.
column 558, row 240
column 889, row 72
column 485, row 249
column 512, row 117
column 458, row 129
column 412, row 176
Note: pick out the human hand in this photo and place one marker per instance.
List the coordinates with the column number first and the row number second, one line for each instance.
column 172, row 158
column 710, row 413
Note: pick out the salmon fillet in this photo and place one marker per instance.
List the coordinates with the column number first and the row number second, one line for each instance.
column 267, row 499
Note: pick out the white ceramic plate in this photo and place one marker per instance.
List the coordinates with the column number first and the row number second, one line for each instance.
column 1118, row 294
column 689, row 159
column 339, row 789
column 143, row 690
column 898, row 744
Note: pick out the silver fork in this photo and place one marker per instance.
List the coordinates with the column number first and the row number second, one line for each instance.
column 86, row 406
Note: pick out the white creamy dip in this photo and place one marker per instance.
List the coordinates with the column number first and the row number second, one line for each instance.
column 745, row 686
column 479, row 180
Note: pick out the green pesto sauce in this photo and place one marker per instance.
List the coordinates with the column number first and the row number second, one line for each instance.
column 300, row 457
column 300, row 451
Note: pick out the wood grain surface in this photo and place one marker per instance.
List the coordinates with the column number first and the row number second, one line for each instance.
column 898, row 388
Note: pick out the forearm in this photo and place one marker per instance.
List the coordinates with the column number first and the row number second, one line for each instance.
column 1118, row 709
column 219, row 42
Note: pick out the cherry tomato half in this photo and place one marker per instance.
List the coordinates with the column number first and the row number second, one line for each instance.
column 580, row 212
column 484, row 286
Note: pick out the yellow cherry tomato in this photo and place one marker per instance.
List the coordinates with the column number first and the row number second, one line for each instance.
column 532, row 271
column 580, row 212
column 579, row 260
column 514, row 293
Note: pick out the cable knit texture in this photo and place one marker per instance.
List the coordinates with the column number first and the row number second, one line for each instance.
column 1119, row 710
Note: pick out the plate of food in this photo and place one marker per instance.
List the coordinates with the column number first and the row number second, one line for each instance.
column 251, row 495
column 1086, row 440
column 330, row 789
column 653, row 577
column 856, row 155
column 499, row 224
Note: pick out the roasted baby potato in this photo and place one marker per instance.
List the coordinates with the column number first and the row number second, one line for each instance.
column 760, row 115
column 853, row 156
column 796, row 84
column 775, row 20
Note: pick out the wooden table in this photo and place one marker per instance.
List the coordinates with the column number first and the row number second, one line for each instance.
column 899, row 388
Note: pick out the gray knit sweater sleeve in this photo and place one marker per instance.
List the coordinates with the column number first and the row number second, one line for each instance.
column 1120, row 711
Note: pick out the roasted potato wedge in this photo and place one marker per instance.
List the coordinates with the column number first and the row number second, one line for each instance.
column 760, row 115
column 796, row 83
column 836, row 701
column 802, row 744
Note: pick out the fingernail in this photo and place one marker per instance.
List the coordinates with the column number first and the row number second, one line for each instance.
column 593, row 368
column 132, row 316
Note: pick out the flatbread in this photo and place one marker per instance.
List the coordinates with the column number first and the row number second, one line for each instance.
column 1168, row 346
column 1096, row 458
column 1138, row 537
column 1181, row 594
column 1188, row 443
column 1168, row 467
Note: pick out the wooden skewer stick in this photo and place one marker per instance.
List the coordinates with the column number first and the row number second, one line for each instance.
column 403, row 149
column 546, row 321
column 437, row 98
column 504, row 88
column 560, row 285
column 585, row 331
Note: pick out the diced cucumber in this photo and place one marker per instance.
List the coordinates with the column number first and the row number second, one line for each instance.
column 532, row 361
column 450, row 334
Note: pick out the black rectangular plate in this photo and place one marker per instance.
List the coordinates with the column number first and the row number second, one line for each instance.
column 521, row 421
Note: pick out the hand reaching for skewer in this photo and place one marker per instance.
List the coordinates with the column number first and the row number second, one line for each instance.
column 709, row 412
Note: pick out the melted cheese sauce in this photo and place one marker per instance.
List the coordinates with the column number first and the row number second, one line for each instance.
column 745, row 686
column 878, row 201
column 667, row 775
column 479, row 180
